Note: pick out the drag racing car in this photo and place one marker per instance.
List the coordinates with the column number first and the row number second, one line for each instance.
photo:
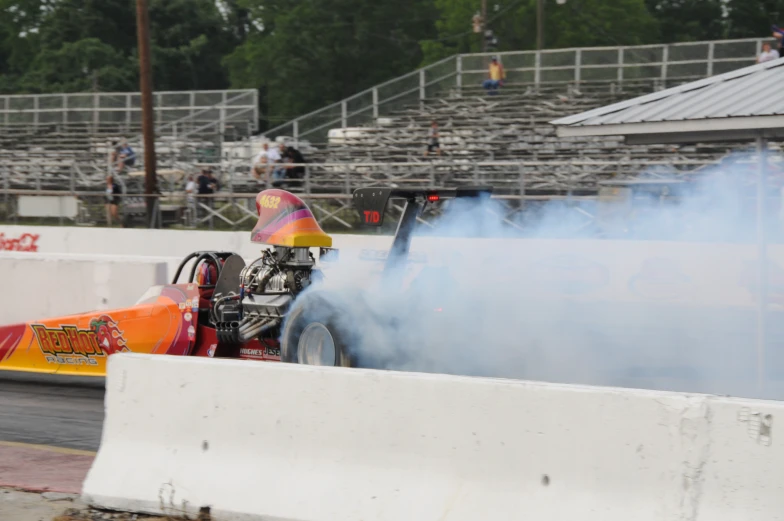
column 272, row 309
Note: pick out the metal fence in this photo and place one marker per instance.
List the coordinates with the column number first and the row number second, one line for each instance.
column 124, row 109
column 522, row 177
column 659, row 64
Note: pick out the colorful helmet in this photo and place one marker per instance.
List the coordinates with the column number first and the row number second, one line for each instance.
column 207, row 273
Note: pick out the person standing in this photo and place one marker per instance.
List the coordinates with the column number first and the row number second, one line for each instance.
column 496, row 74
column 432, row 139
column 208, row 185
column 112, row 200
column 190, row 197
column 767, row 54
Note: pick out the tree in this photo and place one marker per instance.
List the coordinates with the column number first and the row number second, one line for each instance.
column 313, row 52
column 688, row 20
column 454, row 30
column 189, row 40
column 78, row 67
column 753, row 18
column 578, row 23
column 75, row 45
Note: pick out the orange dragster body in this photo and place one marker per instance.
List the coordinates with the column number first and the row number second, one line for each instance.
column 173, row 319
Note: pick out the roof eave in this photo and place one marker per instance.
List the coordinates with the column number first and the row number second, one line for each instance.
column 746, row 128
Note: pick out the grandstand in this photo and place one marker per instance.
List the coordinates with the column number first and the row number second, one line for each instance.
column 378, row 136
column 63, row 141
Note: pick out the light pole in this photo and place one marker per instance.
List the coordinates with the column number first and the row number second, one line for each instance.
column 148, row 128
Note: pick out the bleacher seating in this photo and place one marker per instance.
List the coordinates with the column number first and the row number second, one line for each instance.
column 502, row 139
column 75, row 155
column 505, row 140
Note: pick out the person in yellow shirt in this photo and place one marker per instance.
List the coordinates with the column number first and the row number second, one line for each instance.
column 497, row 77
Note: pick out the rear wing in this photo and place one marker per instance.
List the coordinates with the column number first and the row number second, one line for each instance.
column 371, row 203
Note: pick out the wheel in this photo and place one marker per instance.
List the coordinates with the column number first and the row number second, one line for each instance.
column 312, row 336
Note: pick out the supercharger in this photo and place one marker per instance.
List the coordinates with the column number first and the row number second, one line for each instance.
column 268, row 286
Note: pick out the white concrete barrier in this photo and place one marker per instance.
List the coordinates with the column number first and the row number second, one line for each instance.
column 595, row 270
column 138, row 241
column 286, row 442
column 37, row 286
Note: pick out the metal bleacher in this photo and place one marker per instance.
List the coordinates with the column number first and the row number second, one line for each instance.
column 379, row 135
column 376, row 137
column 63, row 141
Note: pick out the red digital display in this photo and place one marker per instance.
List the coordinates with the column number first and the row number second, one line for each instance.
column 372, row 217
column 433, row 198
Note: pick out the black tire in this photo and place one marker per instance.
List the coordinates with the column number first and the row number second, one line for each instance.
column 314, row 312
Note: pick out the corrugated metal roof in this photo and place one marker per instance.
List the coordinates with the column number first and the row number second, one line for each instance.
column 750, row 92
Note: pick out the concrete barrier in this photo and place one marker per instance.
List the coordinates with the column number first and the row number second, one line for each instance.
column 695, row 274
column 287, row 442
column 138, row 241
column 39, row 286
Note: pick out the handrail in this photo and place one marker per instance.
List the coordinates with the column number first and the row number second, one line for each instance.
column 578, row 65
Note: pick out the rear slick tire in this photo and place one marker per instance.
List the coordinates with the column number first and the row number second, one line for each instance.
column 311, row 335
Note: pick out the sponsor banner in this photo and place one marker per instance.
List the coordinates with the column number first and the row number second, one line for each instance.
column 23, row 242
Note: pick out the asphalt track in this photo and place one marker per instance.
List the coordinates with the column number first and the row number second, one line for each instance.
column 49, row 410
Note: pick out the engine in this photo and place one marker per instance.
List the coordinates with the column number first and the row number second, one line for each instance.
column 268, row 286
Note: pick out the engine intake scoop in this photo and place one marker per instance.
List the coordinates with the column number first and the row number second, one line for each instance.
column 285, row 220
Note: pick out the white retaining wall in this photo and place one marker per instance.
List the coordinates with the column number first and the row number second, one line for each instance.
column 138, row 241
column 37, row 286
column 286, row 442
column 696, row 274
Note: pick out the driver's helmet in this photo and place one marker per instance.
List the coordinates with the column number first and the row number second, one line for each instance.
column 207, row 274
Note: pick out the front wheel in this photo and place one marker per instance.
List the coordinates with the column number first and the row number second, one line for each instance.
column 311, row 335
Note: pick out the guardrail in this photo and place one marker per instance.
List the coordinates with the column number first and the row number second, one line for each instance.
column 659, row 63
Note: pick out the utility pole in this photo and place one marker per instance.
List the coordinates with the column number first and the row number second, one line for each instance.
column 148, row 128
column 484, row 25
column 540, row 24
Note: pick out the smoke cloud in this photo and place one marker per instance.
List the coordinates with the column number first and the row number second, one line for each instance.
column 666, row 298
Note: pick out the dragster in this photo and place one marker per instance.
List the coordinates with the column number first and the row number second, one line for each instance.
column 224, row 308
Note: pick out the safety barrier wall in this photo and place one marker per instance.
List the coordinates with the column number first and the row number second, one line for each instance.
column 641, row 271
column 289, row 442
column 37, row 286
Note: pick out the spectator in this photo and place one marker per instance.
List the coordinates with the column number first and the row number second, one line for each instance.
column 295, row 169
column 497, row 77
column 767, row 54
column 190, row 191
column 127, row 154
column 432, row 139
column 112, row 199
column 264, row 161
column 122, row 156
column 207, row 182
column 778, row 34
column 208, row 185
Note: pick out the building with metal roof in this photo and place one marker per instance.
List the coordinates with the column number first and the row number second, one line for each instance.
column 741, row 105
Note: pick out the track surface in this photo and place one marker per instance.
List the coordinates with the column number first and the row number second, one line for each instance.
column 50, row 410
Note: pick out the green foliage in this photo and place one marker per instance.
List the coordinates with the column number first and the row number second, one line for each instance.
column 753, row 18
column 84, row 45
column 316, row 51
column 578, row 23
column 305, row 54
column 688, row 20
